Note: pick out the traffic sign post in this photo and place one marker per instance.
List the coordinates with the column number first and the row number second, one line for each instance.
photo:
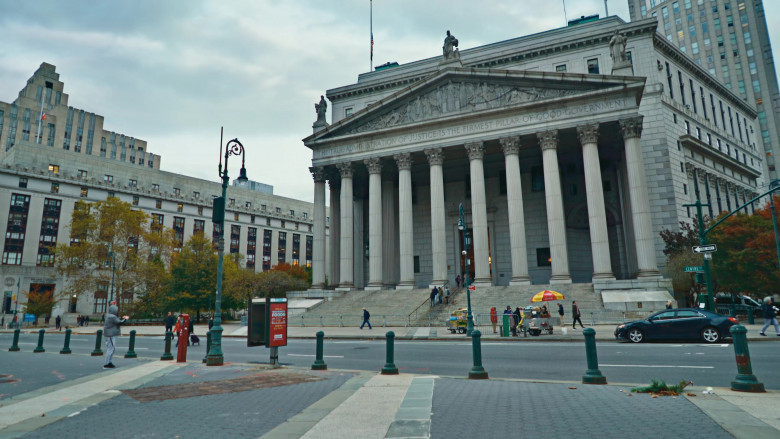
column 694, row 269
column 710, row 248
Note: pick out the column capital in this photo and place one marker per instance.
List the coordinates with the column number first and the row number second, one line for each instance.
column 374, row 165
column 588, row 133
column 689, row 169
column 548, row 139
column 510, row 145
column 404, row 161
column 476, row 150
column 345, row 169
column 318, row 173
column 631, row 127
column 435, row 156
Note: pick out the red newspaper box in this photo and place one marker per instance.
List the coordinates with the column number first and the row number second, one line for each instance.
column 184, row 336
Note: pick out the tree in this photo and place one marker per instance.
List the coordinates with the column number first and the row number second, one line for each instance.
column 277, row 283
column 681, row 240
column 239, row 284
column 110, row 238
column 40, row 302
column 746, row 260
column 194, row 275
column 295, row 271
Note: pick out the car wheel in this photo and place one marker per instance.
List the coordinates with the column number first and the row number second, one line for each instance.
column 636, row 335
column 710, row 334
column 461, row 330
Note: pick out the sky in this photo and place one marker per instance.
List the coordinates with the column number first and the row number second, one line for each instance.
column 173, row 72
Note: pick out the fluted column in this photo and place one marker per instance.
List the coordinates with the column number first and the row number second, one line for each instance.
column 597, row 214
column 556, row 222
column 334, row 182
column 405, row 221
column 318, row 258
column 476, row 152
column 438, row 237
column 346, row 271
column 375, row 280
column 514, row 198
column 640, row 201
column 389, row 247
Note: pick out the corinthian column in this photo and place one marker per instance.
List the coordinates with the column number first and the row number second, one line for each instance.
column 346, row 272
column 640, row 201
column 334, row 182
column 438, row 237
column 597, row 215
column 514, row 198
column 556, row 223
column 374, row 166
column 318, row 259
column 476, row 153
column 405, row 222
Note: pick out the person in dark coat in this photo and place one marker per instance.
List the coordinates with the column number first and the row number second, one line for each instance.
column 575, row 315
column 515, row 320
column 366, row 316
column 211, row 322
column 58, row 323
column 434, row 292
column 560, row 312
column 169, row 321
column 770, row 315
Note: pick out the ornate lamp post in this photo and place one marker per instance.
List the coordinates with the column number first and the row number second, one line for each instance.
column 233, row 147
column 113, row 273
column 466, row 244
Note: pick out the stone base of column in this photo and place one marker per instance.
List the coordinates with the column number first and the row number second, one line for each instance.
column 648, row 273
column 520, row 280
column 320, row 286
column 374, row 286
column 603, row 277
column 560, row 279
column 408, row 285
column 346, row 287
column 482, row 282
column 388, row 286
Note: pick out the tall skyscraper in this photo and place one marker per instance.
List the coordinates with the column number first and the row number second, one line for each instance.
column 728, row 38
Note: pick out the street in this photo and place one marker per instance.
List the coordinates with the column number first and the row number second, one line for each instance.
column 705, row 365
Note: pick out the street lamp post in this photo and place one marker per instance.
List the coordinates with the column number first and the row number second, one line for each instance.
column 233, row 147
column 113, row 274
column 466, row 243
column 772, row 185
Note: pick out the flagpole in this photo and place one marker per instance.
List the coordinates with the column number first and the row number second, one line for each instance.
column 371, row 19
column 606, row 8
column 40, row 119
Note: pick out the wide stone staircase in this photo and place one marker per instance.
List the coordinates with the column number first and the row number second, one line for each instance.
column 411, row 307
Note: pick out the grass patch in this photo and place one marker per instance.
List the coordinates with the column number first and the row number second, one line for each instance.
column 660, row 388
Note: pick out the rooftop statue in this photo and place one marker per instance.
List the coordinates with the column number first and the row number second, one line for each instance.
column 617, row 48
column 449, row 48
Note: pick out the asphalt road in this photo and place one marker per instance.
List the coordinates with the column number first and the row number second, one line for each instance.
column 705, row 365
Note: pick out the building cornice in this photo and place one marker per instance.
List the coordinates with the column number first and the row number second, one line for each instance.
column 716, row 156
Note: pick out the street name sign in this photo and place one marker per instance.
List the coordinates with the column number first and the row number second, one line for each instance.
column 709, row 248
column 694, row 268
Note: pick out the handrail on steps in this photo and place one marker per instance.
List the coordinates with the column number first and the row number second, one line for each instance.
column 417, row 309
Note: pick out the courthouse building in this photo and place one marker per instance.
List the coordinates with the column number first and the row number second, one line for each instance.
column 570, row 150
column 45, row 170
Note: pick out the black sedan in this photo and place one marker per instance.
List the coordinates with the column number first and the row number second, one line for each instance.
column 675, row 324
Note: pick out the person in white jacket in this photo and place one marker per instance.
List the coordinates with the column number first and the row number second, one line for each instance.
column 111, row 330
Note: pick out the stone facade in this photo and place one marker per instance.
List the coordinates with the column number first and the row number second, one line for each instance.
column 566, row 174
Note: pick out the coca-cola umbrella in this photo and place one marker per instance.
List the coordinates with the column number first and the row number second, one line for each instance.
column 547, row 296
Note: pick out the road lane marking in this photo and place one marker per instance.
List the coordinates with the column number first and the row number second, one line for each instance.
column 656, row 366
column 310, row 355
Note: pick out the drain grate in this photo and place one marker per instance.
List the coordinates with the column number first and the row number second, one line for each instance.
column 242, row 384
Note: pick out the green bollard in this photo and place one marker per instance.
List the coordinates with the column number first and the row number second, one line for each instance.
column 99, row 336
column 319, row 364
column 751, row 318
column 166, row 356
column 208, row 345
column 745, row 381
column 477, row 372
column 390, row 368
column 38, row 349
column 15, row 344
column 593, row 374
column 66, row 348
column 505, row 327
column 131, row 352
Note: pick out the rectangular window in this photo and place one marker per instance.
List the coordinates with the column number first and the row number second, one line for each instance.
column 54, row 168
column 267, row 236
column 199, row 226
column 108, row 178
column 593, row 66
column 180, row 207
column 296, row 249
column 133, row 183
column 176, row 191
column 178, row 232
column 282, row 248
column 155, row 187
column 135, row 200
column 22, row 182
column 560, row 68
column 84, row 192
column 55, row 188
column 158, row 204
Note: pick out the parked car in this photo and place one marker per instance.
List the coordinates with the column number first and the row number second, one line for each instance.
column 722, row 299
column 676, row 324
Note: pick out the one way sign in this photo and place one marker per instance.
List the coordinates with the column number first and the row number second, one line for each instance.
column 705, row 248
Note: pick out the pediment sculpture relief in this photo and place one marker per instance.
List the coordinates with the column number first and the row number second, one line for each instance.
column 459, row 97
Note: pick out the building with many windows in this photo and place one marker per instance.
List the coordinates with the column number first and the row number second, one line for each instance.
column 728, row 39
column 570, row 151
column 45, row 169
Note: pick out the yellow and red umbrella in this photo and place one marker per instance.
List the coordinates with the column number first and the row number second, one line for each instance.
column 547, row 296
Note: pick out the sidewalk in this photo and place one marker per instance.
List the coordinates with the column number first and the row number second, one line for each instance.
column 603, row 332
column 162, row 399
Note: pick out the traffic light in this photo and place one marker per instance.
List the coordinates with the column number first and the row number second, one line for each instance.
column 13, row 297
column 700, row 278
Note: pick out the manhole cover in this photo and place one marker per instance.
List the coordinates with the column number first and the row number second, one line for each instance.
column 260, row 381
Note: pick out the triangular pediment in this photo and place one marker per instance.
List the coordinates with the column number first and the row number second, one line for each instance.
column 464, row 91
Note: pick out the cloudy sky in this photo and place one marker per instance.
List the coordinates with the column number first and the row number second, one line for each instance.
column 172, row 72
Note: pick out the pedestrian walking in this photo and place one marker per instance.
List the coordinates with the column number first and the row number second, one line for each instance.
column 211, row 322
column 434, row 292
column 86, row 319
column 58, row 323
column 560, row 313
column 575, row 315
column 191, row 330
column 366, row 316
column 457, row 281
column 47, row 320
column 112, row 330
column 441, row 295
column 103, row 318
column 78, row 320
column 169, row 321
column 669, row 304
column 770, row 315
